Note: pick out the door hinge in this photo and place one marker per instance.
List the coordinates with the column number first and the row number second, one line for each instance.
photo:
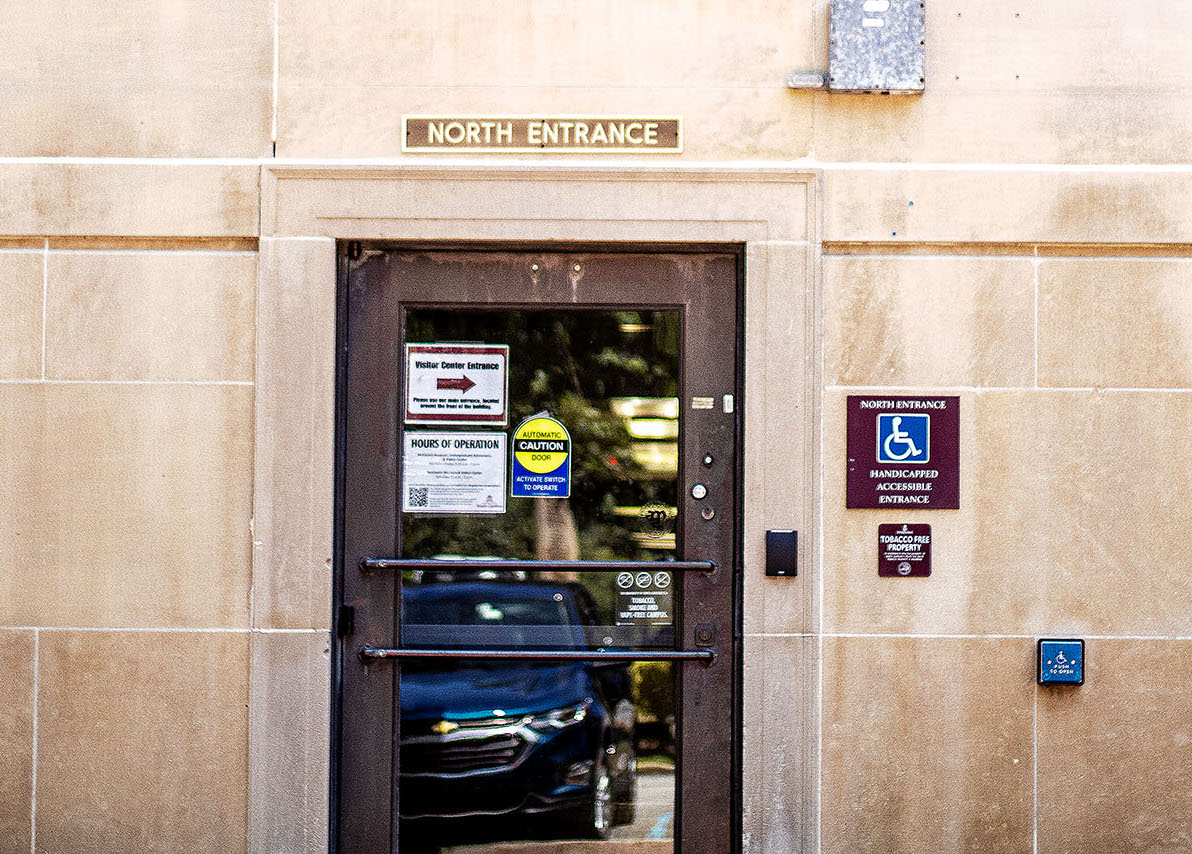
column 345, row 622
column 354, row 250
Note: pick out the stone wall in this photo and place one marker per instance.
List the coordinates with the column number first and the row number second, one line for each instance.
column 1019, row 236
column 1053, row 303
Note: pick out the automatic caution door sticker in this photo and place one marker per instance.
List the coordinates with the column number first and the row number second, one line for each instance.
column 541, row 459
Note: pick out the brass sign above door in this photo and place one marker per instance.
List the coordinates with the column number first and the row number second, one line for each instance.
column 588, row 134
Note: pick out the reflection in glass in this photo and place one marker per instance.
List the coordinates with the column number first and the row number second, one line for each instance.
column 515, row 754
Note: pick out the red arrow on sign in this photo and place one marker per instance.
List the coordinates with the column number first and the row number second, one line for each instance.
column 463, row 383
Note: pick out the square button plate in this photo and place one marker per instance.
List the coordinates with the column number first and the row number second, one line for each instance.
column 1061, row 662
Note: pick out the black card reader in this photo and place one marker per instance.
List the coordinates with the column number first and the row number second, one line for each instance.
column 782, row 553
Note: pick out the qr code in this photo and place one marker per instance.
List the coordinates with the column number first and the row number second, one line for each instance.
column 419, row 496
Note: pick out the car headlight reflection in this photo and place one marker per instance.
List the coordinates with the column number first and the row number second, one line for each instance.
column 562, row 718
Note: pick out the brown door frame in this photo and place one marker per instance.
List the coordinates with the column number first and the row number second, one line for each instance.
column 704, row 284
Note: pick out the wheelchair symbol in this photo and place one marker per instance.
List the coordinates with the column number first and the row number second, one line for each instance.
column 903, row 438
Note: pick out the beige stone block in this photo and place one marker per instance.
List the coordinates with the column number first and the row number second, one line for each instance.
column 179, row 118
column 1001, row 88
column 129, row 200
column 927, row 745
column 1056, row 126
column 16, row 739
column 125, row 505
column 289, row 734
column 1115, row 322
column 1007, row 47
column 153, row 79
column 781, row 729
column 1114, row 753
column 928, row 321
column 754, row 123
column 962, row 205
column 1072, row 520
column 346, row 74
column 781, row 436
column 20, row 321
column 142, row 742
column 150, row 315
column 616, row 43
column 295, row 428
column 586, row 202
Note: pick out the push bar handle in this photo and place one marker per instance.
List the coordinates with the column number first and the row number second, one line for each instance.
column 706, row 656
column 468, row 564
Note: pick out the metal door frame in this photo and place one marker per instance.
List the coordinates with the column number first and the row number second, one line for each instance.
column 344, row 625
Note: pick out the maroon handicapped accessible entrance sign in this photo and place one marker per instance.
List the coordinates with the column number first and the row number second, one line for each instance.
column 903, row 453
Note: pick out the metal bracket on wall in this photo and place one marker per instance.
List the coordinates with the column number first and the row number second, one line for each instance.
column 874, row 47
column 807, row 80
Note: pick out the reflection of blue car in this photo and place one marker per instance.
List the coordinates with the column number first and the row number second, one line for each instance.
column 512, row 738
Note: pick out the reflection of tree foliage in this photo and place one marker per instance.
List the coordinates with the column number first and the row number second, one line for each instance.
column 653, row 688
column 654, row 696
column 567, row 363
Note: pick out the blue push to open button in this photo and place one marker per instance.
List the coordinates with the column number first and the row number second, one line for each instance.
column 1061, row 662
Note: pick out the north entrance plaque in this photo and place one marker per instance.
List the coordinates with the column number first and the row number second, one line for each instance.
column 554, row 134
column 903, row 453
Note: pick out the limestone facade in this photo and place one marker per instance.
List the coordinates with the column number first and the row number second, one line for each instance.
column 173, row 180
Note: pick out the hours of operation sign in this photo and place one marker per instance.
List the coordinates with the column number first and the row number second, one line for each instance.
column 903, row 453
column 453, row 472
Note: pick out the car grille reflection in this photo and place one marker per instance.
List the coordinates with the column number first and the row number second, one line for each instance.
column 469, row 754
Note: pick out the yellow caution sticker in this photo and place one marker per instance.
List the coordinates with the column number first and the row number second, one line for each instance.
column 541, row 459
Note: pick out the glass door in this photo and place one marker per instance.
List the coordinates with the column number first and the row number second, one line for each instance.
column 539, row 528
